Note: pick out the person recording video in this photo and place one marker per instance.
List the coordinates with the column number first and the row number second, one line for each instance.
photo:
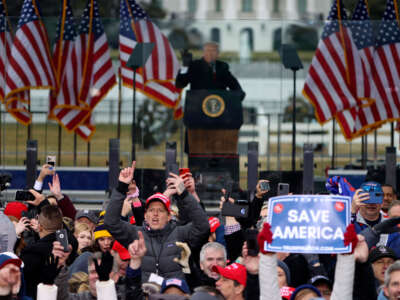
column 207, row 73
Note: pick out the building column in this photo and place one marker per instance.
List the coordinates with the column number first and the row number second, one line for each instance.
column 312, row 8
column 262, row 10
column 291, row 10
column 230, row 9
column 201, row 11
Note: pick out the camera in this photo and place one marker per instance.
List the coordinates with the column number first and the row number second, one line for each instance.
column 5, row 181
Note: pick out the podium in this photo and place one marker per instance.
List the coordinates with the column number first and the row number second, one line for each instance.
column 213, row 119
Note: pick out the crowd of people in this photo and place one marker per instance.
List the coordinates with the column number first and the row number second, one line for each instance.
column 167, row 247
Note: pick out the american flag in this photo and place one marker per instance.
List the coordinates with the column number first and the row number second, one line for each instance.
column 157, row 78
column 29, row 64
column 89, row 74
column 5, row 44
column 360, row 120
column 332, row 82
column 387, row 64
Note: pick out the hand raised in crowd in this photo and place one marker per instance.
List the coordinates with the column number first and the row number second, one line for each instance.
column 55, row 187
column 22, row 225
column 126, row 174
column 190, row 184
column 175, row 183
column 137, row 249
column 222, row 199
column 259, row 192
column 127, row 206
column 358, row 243
column 51, row 269
column 58, row 252
column 183, row 261
column 105, row 267
column 250, row 262
column 38, row 198
column 45, row 171
column 361, row 252
column 188, row 180
column 358, row 198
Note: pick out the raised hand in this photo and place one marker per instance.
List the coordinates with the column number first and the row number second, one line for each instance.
column 45, row 171
column 38, row 198
column 183, row 261
column 22, row 225
column 126, row 174
column 105, row 267
column 55, row 187
column 175, row 182
column 137, row 249
column 358, row 198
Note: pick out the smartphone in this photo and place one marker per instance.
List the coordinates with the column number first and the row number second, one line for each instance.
column 251, row 241
column 183, row 171
column 62, row 237
column 375, row 192
column 234, row 210
column 24, row 196
column 264, row 186
column 283, row 189
column 51, row 160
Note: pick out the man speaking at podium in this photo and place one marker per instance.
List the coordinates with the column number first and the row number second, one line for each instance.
column 207, row 73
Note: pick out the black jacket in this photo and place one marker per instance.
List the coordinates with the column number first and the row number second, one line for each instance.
column 34, row 257
column 160, row 244
column 200, row 75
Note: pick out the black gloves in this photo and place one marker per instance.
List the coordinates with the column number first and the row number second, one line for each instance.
column 186, row 57
column 50, row 270
column 372, row 234
column 105, row 267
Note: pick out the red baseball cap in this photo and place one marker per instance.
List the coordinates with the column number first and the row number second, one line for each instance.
column 159, row 197
column 122, row 251
column 214, row 223
column 234, row 271
column 15, row 209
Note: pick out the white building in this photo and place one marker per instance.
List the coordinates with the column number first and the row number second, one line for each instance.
column 245, row 25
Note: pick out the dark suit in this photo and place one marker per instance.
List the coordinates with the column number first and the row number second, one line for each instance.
column 201, row 76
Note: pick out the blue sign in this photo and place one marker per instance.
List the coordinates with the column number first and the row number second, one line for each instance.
column 309, row 223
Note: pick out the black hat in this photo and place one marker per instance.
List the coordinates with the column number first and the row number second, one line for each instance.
column 380, row 252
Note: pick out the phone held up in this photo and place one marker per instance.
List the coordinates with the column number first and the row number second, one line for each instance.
column 51, row 160
column 24, row 195
column 283, row 189
column 62, row 237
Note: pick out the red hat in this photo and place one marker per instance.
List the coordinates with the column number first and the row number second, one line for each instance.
column 159, row 197
column 234, row 271
column 122, row 251
column 214, row 223
column 15, row 209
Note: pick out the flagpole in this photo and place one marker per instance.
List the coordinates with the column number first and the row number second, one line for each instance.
column 119, row 103
column 59, row 144
column 75, row 142
column 134, row 116
column 333, row 144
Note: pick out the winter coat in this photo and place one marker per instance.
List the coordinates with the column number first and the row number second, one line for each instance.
column 160, row 244
column 34, row 257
